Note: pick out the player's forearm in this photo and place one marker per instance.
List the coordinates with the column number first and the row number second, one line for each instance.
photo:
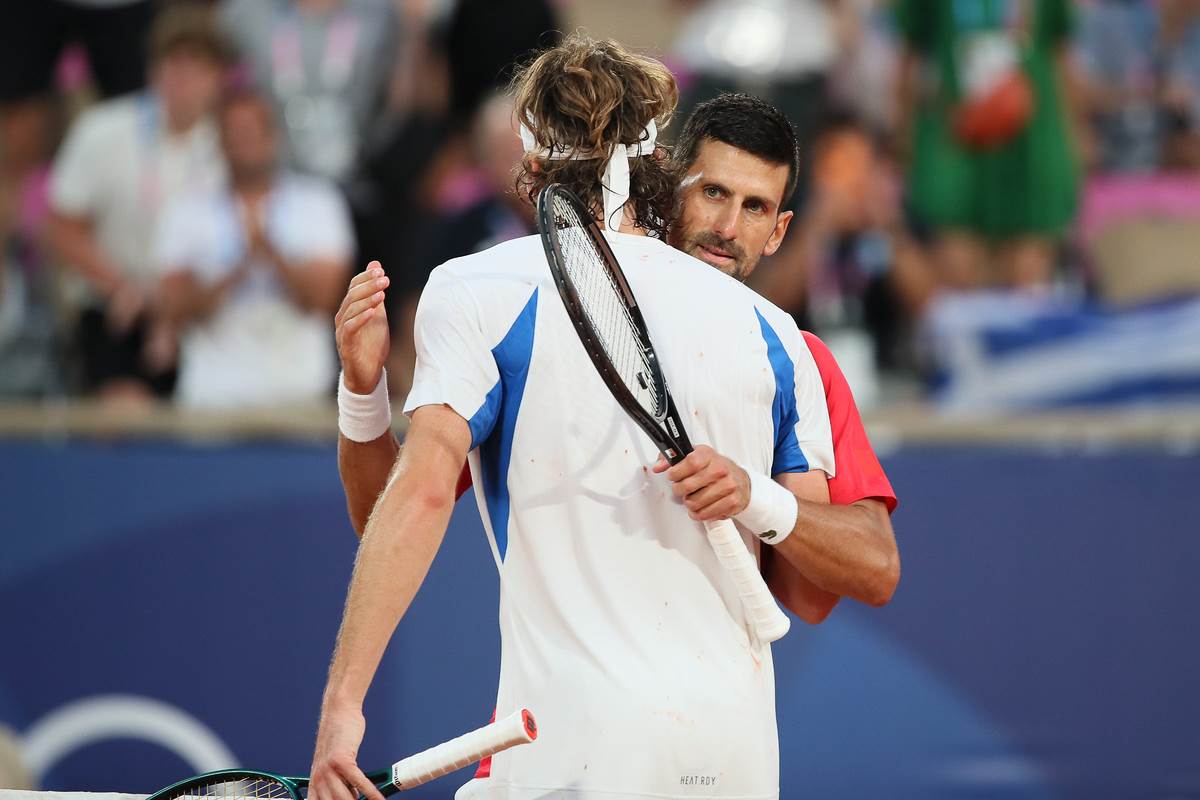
column 364, row 468
column 401, row 540
column 847, row 550
column 402, row 537
column 797, row 593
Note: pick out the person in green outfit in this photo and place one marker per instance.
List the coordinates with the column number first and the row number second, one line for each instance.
column 986, row 124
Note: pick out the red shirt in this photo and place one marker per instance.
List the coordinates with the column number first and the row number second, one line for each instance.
column 859, row 475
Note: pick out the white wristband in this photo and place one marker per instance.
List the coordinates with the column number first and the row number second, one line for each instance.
column 364, row 417
column 771, row 513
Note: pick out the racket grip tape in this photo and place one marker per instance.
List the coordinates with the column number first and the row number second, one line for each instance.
column 517, row 728
column 768, row 621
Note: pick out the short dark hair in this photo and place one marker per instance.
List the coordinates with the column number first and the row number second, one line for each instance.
column 747, row 123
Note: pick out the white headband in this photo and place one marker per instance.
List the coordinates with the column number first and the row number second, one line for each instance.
column 615, row 181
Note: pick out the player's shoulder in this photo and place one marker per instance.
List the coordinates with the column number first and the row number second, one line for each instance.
column 836, row 386
column 522, row 256
column 820, row 351
column 779, row 323
column 495, row 278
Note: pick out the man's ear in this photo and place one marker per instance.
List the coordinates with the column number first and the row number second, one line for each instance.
column 776, row 238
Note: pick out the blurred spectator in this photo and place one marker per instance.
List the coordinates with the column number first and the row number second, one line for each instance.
column 325, row 64
column 1120, row 52
column 28, row 358
column 122, row 162
column 780, row 50
column 863, row 79
column 253, row 272
column 458, row 53
column 870, row 272
column 485, row 39
column 488, row 212
column 33, row 36
column 1181, row 32
column 993, row 173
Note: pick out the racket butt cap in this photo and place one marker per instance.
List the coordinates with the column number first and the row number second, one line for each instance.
column 529, row 723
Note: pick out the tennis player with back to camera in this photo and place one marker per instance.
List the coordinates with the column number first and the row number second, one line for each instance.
column 738, row 159
column 615, row 615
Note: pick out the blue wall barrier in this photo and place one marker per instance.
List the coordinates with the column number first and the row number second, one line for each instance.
column 1043, row 642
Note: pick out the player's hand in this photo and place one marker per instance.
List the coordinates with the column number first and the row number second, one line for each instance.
column 335, row 774
column 711, row 486
column 361, row 330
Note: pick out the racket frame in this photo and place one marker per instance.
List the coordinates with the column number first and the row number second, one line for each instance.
column 517, row 728
column 667, row 432
column 381, row 778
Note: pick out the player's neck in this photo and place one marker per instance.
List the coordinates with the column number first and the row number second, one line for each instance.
column 629, row 224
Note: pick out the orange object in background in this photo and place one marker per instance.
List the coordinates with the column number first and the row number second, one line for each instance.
column 994, row 118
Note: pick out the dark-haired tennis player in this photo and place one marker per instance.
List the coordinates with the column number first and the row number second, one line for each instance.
column 618, row 625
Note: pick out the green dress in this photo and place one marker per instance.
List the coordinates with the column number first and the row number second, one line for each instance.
column 1026, row 186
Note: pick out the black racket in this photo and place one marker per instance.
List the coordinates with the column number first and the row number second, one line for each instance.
column 606, row 317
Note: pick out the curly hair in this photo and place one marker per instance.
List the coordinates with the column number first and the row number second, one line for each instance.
column 586, row 96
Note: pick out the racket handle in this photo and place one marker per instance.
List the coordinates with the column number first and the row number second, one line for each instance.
column 769, row 622
column 517, row 728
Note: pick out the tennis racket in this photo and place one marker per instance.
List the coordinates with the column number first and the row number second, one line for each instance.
column 606, row 317
column 234, row 784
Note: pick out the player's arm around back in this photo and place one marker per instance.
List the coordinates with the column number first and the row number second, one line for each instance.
column 833, row 551
column 402, row 537
column 847, row 548
column 828, row 553
column 364, row 469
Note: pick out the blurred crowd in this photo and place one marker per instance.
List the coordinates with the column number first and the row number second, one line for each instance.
column 186, row 187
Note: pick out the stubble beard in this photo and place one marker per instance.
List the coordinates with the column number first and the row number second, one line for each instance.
column 739, row 269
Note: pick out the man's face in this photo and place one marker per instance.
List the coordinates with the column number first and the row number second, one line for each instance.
column 248, row 139
column 729, row 209
column 188, row 82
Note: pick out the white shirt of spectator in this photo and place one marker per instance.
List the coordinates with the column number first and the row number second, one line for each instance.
column 119, row 167
column 618, row 624
column 257, row 348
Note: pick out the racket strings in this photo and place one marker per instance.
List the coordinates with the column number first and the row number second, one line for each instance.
column 603, row 303
column 245, row 788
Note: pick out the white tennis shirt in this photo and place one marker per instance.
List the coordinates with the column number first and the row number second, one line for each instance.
column 619, row 628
